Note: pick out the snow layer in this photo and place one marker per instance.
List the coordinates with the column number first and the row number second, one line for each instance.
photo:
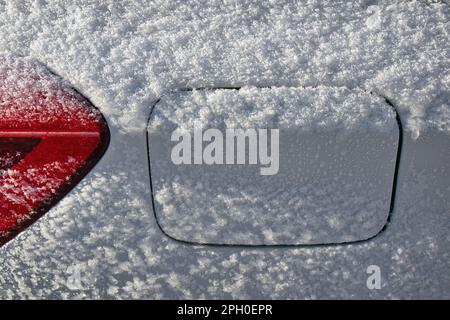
column 305, row 109
column 125, row 55
column 336, row 159
column 32, row 96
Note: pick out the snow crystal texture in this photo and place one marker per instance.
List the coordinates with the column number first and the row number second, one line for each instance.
column 334, row 167
column 125, row 55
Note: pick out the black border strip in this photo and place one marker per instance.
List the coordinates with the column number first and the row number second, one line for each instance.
column 257, row 246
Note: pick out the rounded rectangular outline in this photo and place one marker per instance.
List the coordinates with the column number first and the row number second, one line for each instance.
column 253, row 246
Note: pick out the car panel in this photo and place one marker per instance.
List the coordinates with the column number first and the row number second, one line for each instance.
column 105, row 231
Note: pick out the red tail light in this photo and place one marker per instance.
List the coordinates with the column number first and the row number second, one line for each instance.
column 50, row 137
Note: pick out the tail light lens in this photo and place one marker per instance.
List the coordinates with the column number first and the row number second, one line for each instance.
column 50, row 137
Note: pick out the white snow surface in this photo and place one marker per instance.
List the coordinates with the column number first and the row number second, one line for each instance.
column 125, row 55
column 336, row 157
column 32, row 95
column 305, row 109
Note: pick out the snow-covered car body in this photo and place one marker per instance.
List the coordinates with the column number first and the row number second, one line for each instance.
column 103, row 239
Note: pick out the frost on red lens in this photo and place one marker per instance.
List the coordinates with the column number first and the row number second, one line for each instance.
column 50, row 137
